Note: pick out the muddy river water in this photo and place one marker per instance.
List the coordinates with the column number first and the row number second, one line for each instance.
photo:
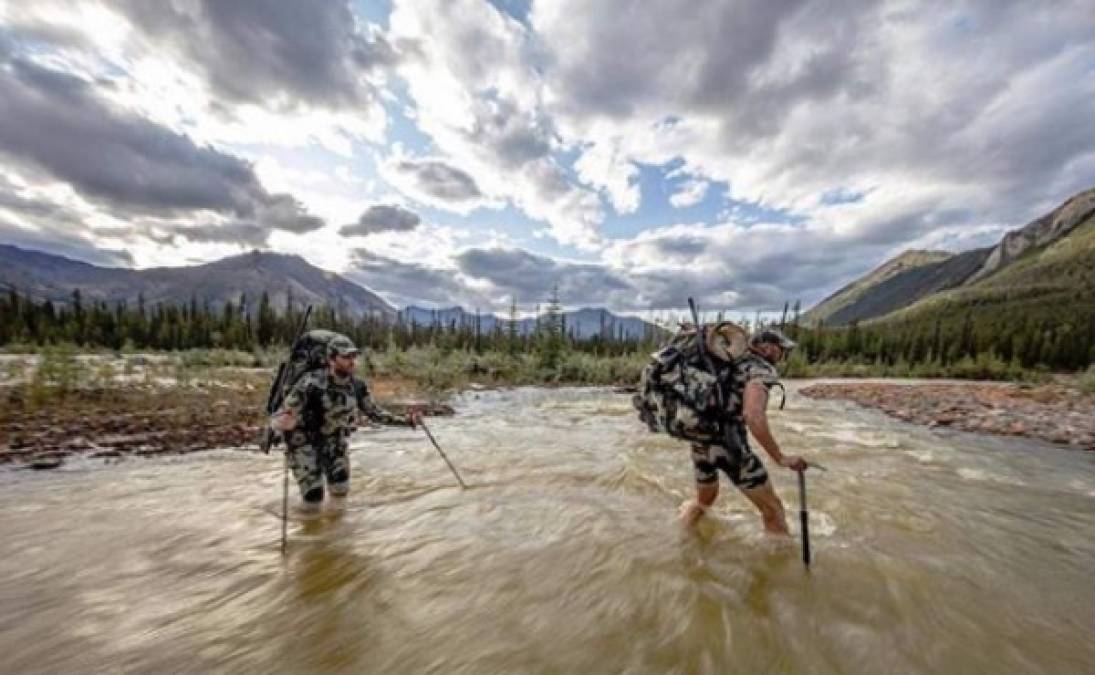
column 933, row 553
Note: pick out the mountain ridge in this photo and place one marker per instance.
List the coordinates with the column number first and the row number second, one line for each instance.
column 968, row 274
column 851, row 293
column 54, row 277
column 1039, row 233
column 582, row 323
column 1053, row 282
column 46, row 276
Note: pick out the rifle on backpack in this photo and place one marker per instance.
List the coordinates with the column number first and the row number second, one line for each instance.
column 277, row 390
column 732, row 442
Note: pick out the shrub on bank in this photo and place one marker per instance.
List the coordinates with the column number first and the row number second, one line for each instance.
column 440, row 369
column 228, row 358
column 1087, row 381
column 986, row 366
column 63, row 369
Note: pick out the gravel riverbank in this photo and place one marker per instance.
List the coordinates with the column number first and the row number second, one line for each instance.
column 1049, row 412
column 115, row 423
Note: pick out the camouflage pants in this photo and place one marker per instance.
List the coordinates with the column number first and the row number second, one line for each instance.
column 314, row 457
column 746, row 474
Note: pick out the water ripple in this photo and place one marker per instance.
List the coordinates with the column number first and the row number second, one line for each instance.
column 933, row 553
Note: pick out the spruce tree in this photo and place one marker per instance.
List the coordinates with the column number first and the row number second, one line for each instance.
column 551, row 339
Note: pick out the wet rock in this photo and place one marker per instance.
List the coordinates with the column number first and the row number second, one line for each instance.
column 430, row 409
column 46, row 463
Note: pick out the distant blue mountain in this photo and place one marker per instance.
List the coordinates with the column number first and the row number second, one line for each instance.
column 581, row 324
column 43, row 275
column 46, row 276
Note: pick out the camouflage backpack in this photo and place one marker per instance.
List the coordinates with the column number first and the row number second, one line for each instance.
column 676, row 389
column 309, row 353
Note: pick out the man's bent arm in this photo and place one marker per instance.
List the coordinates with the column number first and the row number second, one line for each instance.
column 755, row 411
column 373, row 411
column 288, row 416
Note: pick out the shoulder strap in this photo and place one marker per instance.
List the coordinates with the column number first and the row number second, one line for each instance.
column 312, row 406
column 361, row 391
column 782, row 389
column 783, row 394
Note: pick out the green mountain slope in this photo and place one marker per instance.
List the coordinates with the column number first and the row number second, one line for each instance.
column 1054, row 283
column 910, row 285
column 1039, row 272
column 843, row 305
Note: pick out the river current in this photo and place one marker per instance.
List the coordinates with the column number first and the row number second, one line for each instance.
column 933, row 553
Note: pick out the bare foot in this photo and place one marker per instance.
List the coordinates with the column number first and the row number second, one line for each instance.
column 691, row 511
column 336, row 504
column 308, row 510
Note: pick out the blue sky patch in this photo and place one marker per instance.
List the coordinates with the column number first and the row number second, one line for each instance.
column 841, row 196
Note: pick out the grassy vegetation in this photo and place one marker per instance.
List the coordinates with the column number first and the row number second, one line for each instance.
column 229, row 358
column 438, row 369
column 64, row 372
column 59, row 374
column 1086, row 381
column 986, row 366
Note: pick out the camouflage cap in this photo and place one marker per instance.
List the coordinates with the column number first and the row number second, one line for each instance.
column 340, row 345
column 774, row 337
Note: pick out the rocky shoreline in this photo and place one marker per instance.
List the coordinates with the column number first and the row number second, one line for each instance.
column 113, row 424
column 1052, row 413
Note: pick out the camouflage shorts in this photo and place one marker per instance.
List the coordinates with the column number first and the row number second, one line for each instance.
column 746, row 474
column 315, row 457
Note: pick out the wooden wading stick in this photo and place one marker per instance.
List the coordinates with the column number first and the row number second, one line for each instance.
column 443, row 455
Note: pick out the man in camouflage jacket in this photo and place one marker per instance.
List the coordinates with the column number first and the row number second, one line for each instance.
column 318, row 414
column 753, row 375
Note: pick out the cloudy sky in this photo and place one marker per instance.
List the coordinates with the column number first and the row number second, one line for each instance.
column 746, row 152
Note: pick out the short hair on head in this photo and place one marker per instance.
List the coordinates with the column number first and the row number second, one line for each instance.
column 772, row 336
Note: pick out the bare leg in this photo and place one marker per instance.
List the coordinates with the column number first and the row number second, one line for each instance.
column 770, row 507
column 705, row 497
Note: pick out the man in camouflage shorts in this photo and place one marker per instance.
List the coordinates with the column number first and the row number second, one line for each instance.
column 319, row 412
column 754, row 374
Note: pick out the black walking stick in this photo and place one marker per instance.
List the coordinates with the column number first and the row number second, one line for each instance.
column 285, row 503
column 274, row 399
column 443, row 455
column 804, row 518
